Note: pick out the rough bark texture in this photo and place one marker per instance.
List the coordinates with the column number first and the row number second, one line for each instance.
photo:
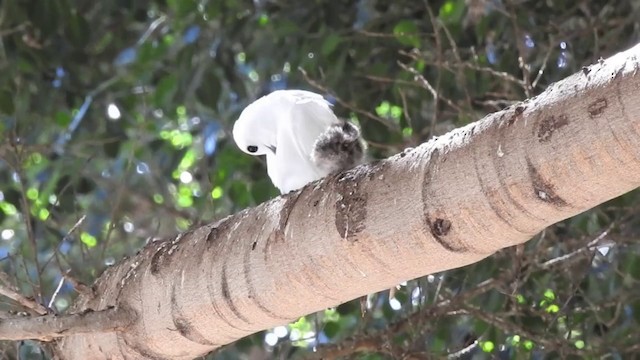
column 452, row 201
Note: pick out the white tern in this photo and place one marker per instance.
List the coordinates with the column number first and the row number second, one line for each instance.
column 302, row 138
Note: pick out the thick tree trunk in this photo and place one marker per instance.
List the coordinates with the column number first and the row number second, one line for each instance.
column 450, row 202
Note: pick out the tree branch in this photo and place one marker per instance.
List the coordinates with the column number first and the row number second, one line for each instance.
column 450, row 202
column 7, row 289
column 47, row 327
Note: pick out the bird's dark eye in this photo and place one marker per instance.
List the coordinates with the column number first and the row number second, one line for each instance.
column 252, row 148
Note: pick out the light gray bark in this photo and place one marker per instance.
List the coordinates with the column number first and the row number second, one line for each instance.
column 450, row 202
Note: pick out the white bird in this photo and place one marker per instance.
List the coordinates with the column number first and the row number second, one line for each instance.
column 300, row 135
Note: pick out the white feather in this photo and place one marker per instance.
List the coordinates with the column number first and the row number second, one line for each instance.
column 289, row 121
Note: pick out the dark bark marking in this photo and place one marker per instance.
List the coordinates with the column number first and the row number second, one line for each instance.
column 438, row 226
column 428, row 176
column 543, row 189
column 500, row 213
column 226, row 295
column 597, row 107
column 140, row 349
column 379, row 166
column 551, row 124
column 351, row 204
column 183, row 325
column 439, row 229
column 218, row 229
column 216, row 307
column 517, row 114
column 278, row 234
column 290, row 200
column 219, row 313
column 313, row 277
column 165, row 249
column 256, row 229
column 499, row 198
column 157, row 260
column 246, row 268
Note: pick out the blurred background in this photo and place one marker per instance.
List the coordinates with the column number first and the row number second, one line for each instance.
column 115, row 121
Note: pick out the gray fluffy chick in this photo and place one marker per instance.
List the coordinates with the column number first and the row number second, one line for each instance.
column 338, row 148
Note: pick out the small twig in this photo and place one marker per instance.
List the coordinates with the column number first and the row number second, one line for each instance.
column 405, row 110
column 526, row 73
column 8, row 290
column 64, row 137
column 589, row 247
column 55, row 293
column 13, row 30
column 543, row 67
column 78, row 286
column 76, row 225
column 454, row 48
column 499, row 74
column 464, row 351
column 26, row 215
column 426, row 85
column 56, row 254
column 383, row 79
column 512, row 328
column 48, row 327
column 154, row 25
column 376, row 342
column 116, row 205
column 439, row 61
column 345, row 104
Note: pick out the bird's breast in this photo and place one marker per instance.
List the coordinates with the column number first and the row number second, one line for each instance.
column 290, row 172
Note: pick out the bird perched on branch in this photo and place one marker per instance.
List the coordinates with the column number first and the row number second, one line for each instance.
column 300, row 136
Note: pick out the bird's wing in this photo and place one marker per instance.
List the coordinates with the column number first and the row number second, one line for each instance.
column 308, row 117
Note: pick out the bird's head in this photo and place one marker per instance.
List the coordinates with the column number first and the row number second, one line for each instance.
column 255, row 130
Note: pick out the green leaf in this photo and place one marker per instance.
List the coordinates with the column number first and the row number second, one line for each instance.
column 487, row 346
column 88, row 239
column 239, row 194
column 80, row 31
column 6, row 102
column 216, row 193
column 383, row 109
column 263, row 20
column 451, row 11
column 330, row 44
column 208, row 92
column 182, row 7
column 262, row 191
column 45, row 16
column 406, row 32
column 63, row 118
column 111, row 148
column 103, row 43
column 165, row 90
column 549, row 295
column 285, row 28
column 331, row 329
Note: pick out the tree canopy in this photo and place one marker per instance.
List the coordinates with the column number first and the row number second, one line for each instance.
column 115, row 123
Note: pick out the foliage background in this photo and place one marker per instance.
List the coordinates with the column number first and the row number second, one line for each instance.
column 114, row 129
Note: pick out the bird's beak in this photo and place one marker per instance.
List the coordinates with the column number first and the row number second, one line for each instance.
column 272, row 148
